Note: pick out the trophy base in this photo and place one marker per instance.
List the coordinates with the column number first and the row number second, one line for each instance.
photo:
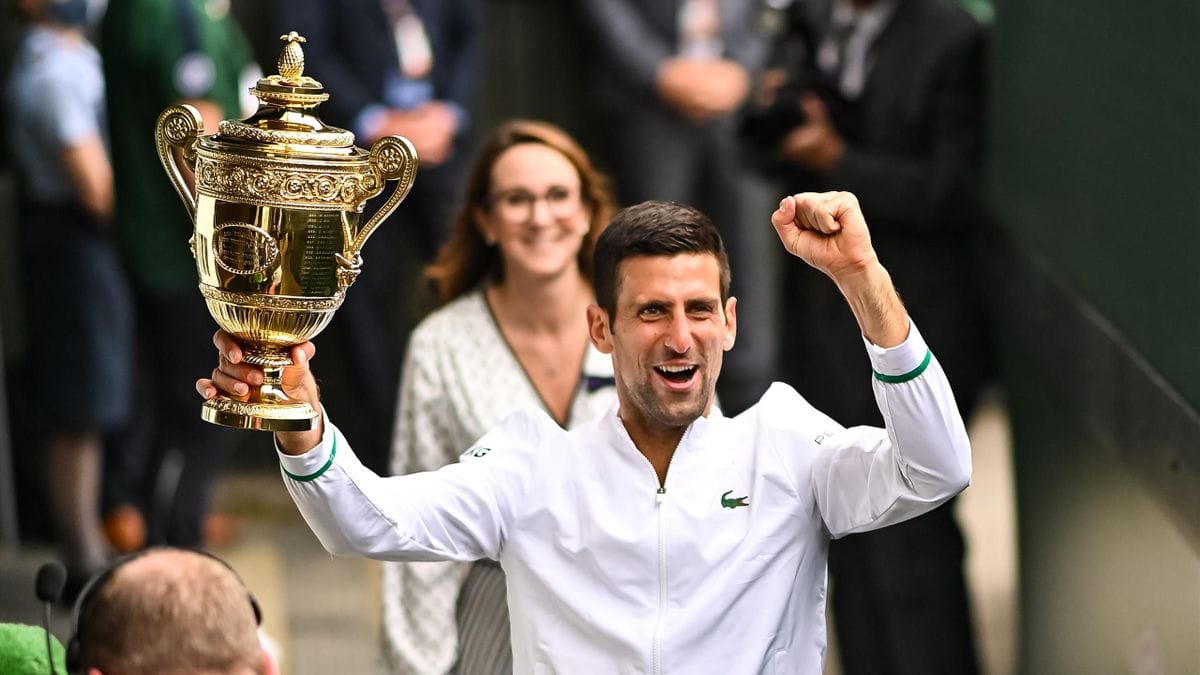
column 260, row 416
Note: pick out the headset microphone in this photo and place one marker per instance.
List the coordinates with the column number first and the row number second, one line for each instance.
column 51, row 579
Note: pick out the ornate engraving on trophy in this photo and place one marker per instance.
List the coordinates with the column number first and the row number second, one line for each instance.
column 319, row 240
column 243, row 249
column 276, row 207
column 262, row 182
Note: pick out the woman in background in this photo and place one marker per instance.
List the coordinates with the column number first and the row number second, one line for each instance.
column 514, row 280
column 78, row 309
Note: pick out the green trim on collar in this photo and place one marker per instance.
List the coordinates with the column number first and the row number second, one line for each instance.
column 897, row 379
column 316, row 474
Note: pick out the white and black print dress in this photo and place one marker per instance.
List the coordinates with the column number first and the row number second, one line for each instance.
column 460, row 379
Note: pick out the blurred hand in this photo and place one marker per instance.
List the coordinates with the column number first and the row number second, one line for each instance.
column 770, row 82
column 235, row 379
column 816, row 144
column 431, row 128
column 703, row 89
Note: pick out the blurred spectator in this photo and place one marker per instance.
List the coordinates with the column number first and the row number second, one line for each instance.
column 885, row 99
column 78, row 310
column 515, row 281
column 672, row 77
column 158, row 53
column 409, row 68
column 167, row 611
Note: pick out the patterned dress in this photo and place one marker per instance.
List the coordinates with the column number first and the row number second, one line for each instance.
column 460, row 379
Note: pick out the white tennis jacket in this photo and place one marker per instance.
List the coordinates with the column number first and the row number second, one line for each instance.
column 721, row 570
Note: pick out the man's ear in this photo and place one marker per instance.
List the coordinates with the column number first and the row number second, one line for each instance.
column 599, row 330
column 730, row 323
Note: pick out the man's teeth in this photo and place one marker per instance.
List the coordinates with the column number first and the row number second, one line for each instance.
column 676, row 369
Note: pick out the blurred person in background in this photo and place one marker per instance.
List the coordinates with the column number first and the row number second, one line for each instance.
column 78, row 310
column 408, row 68
column 885, row 98
column 672, row 77
column 158, row 53
column 514, row 281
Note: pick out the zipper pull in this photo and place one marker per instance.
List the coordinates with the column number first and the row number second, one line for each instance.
column 662, row 494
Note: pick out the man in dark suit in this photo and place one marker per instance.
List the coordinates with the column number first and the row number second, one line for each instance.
column 409, row 68
column 888, row 99
column 671, row 79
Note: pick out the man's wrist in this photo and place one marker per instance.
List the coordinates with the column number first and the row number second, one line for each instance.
column 861, row 275
column 875, row 303
column 299, row 442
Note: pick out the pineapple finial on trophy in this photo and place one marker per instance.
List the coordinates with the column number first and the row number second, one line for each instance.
column 291, row 59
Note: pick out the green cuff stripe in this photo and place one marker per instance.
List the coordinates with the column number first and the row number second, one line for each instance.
column 316, row 474
column 897, row 379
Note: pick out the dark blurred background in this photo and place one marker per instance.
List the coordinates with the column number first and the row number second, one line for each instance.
column 1093, row 161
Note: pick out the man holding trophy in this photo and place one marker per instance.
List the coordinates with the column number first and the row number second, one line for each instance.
column 662, row 537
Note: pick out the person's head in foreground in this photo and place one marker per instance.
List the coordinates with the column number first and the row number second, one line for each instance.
column 535, row 204
column 663, row 311
column 167, row 612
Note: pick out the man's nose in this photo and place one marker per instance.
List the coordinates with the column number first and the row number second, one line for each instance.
column 679, row 335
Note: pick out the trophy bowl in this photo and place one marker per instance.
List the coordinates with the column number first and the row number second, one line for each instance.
column 277, row 204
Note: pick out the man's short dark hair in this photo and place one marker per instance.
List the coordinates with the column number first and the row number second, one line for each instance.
column 653, row 228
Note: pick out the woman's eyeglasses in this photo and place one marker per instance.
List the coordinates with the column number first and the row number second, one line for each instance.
column 518, row 205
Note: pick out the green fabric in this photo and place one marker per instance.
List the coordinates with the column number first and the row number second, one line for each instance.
column 23, row 650
column 141, row 45
column 316, row 474
column 912, row 374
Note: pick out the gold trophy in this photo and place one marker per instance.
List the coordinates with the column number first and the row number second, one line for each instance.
column 277, row 203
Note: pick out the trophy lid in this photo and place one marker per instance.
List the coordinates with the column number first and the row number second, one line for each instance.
column 286, row 119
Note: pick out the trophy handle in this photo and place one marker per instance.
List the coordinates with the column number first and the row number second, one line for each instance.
column 394, row 158
column 179, row 127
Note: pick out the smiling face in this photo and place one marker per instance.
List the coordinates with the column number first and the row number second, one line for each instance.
column 535, row 212
column 667, row 338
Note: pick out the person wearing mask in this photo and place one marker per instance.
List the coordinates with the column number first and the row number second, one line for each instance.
column 79, row 315
column 514, row 280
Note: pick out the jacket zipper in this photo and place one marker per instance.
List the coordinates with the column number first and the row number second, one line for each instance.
column 659, row 497
column 662, row 578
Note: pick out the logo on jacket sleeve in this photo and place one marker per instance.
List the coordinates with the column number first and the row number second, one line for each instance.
column 733, row 502
column 476, row 452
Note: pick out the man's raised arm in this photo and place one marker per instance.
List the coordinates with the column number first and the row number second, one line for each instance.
column 457, row 513
column 865, row 478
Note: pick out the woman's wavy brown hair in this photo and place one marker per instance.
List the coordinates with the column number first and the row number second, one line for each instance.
column 466, row 260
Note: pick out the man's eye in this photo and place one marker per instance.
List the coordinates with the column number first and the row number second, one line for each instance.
column 651, row 311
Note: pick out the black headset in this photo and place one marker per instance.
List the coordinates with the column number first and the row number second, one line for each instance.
column 91, row 590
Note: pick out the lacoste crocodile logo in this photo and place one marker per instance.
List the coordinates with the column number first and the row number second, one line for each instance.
column 733, row 502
